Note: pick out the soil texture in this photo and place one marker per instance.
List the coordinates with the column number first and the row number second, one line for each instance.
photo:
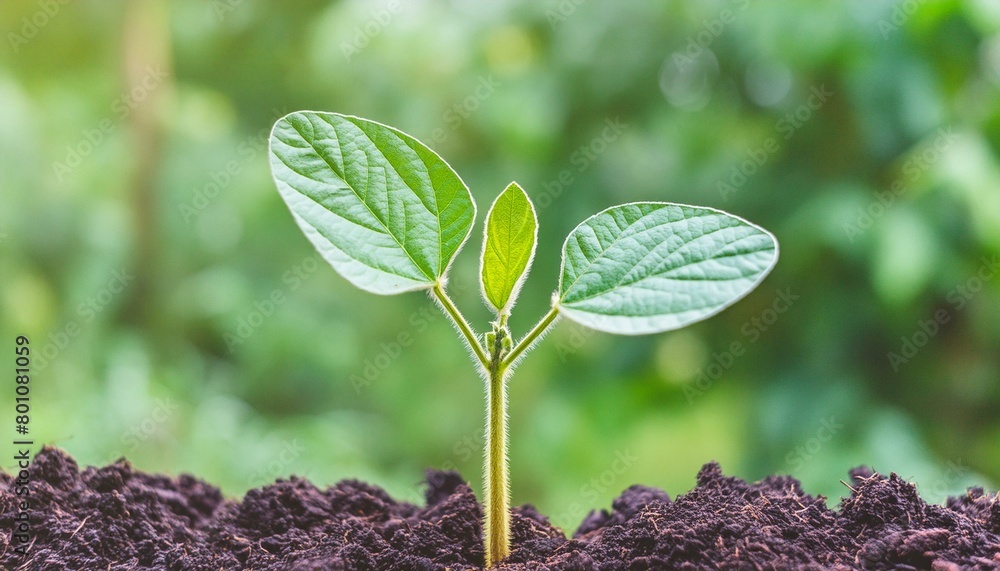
column 116, row 518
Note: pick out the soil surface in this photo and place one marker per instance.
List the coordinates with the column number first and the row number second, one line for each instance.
column 116, row 518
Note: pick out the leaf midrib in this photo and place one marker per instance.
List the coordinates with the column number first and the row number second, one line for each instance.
column 623, row 282
column 437, row 209
column 507, row 261
column 316, row 150
column 622, row 236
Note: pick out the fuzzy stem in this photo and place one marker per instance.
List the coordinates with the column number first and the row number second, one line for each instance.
column 534, row 335
column 495, row 468
column 496, row 490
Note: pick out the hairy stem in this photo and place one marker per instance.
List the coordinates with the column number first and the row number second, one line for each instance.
column 496, row 490
column 496, row 359
column 456, row 317
column 534, row 335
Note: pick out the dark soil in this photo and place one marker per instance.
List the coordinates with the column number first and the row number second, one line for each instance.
column 115, row 518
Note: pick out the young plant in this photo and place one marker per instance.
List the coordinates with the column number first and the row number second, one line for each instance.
column 390, row 215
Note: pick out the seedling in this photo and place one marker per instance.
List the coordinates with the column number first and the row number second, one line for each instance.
column 390, row 215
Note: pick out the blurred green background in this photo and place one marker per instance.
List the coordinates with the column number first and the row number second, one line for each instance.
column 179, row 318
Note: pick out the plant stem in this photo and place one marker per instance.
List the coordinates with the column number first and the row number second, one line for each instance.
column 532, row 336
column 495, row 469
column 496, row 364
column 456, row 317
column 496, row 488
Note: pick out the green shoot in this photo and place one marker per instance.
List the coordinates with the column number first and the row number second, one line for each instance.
column 390, row 216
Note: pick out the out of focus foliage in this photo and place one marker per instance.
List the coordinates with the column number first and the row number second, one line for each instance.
column 864, row 133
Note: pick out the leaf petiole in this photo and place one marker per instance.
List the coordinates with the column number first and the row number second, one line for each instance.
column 461, row 324
column 534, row 335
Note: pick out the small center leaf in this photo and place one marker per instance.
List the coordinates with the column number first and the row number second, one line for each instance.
column 508, row 247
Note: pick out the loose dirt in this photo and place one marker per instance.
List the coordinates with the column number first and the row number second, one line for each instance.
column 116, row 518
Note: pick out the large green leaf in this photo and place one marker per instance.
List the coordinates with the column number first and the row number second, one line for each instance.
column 508, row 247
column 649, row 267
column 383, row 209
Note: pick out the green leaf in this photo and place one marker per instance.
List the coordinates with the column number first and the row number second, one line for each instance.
column 508, row 247
column 383, row 209
column 649, row 267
